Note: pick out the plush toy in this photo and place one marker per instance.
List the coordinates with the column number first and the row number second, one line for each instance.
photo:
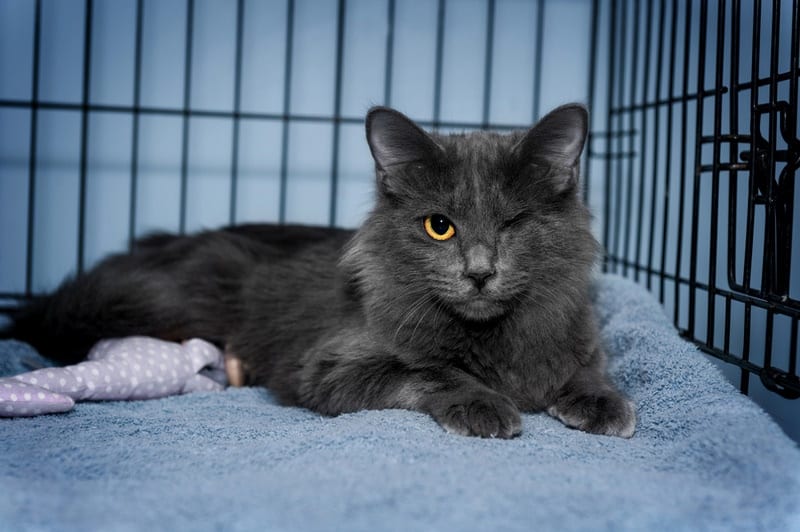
column 126, row 368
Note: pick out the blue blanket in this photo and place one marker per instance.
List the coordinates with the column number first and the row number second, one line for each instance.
column 703, row 457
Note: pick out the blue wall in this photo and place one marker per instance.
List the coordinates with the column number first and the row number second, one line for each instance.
column 108, row 188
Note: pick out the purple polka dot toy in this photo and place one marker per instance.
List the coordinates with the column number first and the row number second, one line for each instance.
column 117, row 369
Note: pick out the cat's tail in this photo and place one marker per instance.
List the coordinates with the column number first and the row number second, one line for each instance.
column 50, row 330
column 21, row 321
column 170, row 287
column 66, row 324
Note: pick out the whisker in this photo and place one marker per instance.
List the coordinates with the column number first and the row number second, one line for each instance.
column 420, row 321
column 413, row 308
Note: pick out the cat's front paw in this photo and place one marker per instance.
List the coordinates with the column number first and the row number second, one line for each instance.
column 485, row 415
column 605, row 413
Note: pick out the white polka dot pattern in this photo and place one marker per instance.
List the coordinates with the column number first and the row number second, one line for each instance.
column 127, row 368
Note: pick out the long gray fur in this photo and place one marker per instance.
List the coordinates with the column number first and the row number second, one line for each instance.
column 471, row 330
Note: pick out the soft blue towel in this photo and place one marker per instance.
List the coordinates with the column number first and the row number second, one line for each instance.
column 703, row 457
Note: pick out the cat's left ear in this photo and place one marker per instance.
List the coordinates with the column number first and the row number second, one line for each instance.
column 395, row 139
column 556, row 142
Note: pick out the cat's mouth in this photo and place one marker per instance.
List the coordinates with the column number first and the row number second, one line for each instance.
column 479, row 308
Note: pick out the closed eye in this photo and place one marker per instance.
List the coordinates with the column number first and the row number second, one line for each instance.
column 516, row 220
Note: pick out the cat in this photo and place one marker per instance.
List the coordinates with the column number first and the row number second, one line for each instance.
column 464, row 294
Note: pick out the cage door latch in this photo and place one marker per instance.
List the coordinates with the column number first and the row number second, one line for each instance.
column 776, row 194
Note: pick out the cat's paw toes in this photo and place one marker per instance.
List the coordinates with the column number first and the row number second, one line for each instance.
column 486, row 417
column 608, row 414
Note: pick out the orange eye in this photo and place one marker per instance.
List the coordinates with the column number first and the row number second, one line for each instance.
column 439, row 227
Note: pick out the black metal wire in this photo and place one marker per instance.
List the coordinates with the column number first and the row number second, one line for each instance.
column 733, row 152
column 537, row 60
column 754, row 65
column 769, row 271
column 87, row 69
column 794, row 70
column 656, row 145
column 488, row 59
column 684, row 150
column 667, row 158
column 249, row 115
column 715, row 173
column 187, row 100
column 32, row 149
column 696, row 178
column 612, row 35
column 688, row 97
column 388, row 70
column 593, row 39
column 237, row 105
column 287, row 102
column 137, row 95
column 643, row 154
column 793, row 355
column 628, row 210
column 337, row 109
column 744, row 384
column 437, row 84
column 620, row 144
column 733, row 183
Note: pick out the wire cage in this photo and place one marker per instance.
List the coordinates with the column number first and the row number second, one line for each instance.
column 120, row 118
column 699, row 156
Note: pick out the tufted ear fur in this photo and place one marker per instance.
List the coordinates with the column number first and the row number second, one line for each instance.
column 556, row 143
column 395, row 139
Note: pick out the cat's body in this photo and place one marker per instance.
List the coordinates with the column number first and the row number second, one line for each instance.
column 463, row 295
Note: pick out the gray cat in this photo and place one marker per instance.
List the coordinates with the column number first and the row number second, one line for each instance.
column 465, row 294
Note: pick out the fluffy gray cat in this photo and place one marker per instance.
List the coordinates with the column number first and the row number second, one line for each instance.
column 465, row 294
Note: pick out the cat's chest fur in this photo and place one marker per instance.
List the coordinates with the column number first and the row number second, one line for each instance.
column 517, row 357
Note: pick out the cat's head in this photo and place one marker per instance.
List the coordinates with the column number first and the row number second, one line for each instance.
column 477, row 223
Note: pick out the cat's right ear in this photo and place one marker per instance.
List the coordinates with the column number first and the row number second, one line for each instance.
column 394, row 139
column 556, row 142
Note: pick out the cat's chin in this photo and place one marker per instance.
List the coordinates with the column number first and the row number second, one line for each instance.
column 479, row 309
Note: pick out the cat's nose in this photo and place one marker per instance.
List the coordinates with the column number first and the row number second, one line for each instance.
column 479, row 265
column 479, row 278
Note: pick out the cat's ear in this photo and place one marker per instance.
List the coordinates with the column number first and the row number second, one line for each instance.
column 556, row 142
column 395, row 139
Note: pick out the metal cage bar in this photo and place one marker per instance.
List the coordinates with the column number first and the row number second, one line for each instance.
column 187, row 102
column 87, row 73
column 135, row 117
column 32, row 154
column 287, row 104
column 237, row 105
